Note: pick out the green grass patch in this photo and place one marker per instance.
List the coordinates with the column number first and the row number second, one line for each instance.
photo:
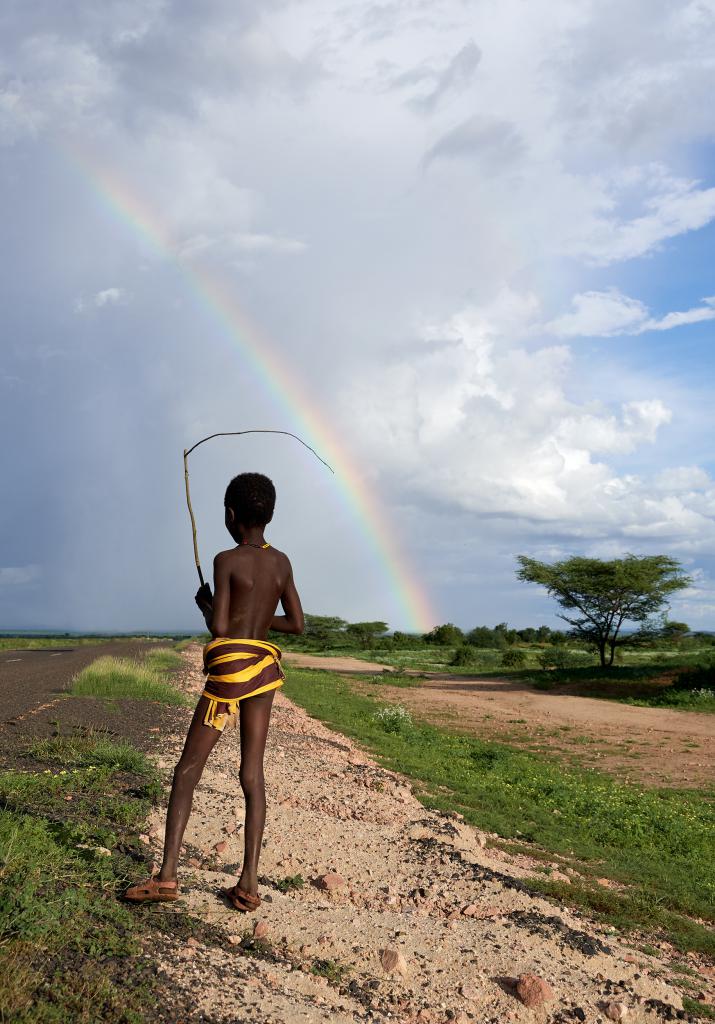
column 335, row 973
column 39, row 643
column 90, row 748
column 117, row 678
column 290, row 882
column 698, row 1009
column 658, row 842
column 65, row 938
column 163, row 659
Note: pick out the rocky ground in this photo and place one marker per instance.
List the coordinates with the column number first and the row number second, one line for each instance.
column 377, row 909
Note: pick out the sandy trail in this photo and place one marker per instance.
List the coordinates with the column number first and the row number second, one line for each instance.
column 408, row 876
column 654, row 745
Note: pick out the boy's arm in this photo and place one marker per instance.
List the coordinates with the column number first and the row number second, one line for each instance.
column 217, row 620
column 292, row 621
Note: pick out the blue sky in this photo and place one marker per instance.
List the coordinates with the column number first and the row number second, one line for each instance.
column 481, row 235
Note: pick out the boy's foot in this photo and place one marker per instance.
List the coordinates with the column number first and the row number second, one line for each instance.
column 152, row 890
column 242, row 900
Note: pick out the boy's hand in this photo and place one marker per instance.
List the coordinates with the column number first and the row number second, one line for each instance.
column 204, row 597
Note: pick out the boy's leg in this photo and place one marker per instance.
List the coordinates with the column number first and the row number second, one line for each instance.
column 200, row 741
column 255, row 716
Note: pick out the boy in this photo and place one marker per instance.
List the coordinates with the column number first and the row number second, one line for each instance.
column 243, row 674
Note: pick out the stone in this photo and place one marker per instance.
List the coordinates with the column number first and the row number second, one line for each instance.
column 192, row 941
column 470, row 990
column 260, row 929
column 471, row 910
column 229, row 828
column 221, row 846
column 102, row 851
column 460, row 1017
column 392, row 960
column 605, row 882
column 533, row 990
column 481, row 841
column 235, row 940
column 194, row 862
column 331, row 881
column 616, row 1011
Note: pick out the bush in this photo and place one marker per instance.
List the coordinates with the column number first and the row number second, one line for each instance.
column 394, row 718
column 560, row 657
column 700, row 677
column 447, row 635
column 465, row 655
column 513, row 658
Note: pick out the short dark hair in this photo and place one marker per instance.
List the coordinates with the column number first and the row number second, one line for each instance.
column 252, row 497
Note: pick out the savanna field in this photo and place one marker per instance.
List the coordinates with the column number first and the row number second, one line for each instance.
column 598, row 780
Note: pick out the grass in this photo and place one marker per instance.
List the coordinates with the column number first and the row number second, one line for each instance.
column 659, row 843
column 84, row 749
column 65, row 939
column 38, row 643
column 290, row 882
column 118, row 678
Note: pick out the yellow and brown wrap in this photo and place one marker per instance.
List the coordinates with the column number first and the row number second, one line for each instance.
column 237, row 669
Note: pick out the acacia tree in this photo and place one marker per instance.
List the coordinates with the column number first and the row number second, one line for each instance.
column 601, row 596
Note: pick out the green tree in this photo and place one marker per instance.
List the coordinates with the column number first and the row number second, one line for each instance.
column 603, row 595
column 481, row 636
column 447, row 635
column 674, row 632
column 364, row 633
column 324, row 630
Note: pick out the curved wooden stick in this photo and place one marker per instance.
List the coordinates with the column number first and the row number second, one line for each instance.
column 191, row 514
column 230, row 433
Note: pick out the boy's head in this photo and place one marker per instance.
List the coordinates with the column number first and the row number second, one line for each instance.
column 250, row 500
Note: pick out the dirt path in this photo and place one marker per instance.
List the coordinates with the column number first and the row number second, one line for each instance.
column 653, row 745
column 418, row 882
column 332, row 663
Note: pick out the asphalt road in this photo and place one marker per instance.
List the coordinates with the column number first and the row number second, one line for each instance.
column 31, row 679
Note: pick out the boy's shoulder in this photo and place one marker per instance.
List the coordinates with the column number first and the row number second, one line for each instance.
column 224, row 557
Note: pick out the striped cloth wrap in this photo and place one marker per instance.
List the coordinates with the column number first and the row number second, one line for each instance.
column 236, row 669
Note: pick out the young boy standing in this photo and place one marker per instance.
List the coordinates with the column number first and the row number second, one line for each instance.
column 243, row 671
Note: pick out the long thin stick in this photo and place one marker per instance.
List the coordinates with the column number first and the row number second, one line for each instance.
column 230, row 433
column 191, row 513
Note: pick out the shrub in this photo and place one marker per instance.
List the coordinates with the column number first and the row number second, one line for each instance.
column 560, row 657
column 700, row 677
column 513, row 658
column 394, row 718
column 465, row 655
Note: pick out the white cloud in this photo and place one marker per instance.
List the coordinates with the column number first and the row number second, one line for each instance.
column 490, row 142
column 671, row 207
column 481, row 425
column 106, row 297
column 18, row 575
column 606, row 314
column 454, row 77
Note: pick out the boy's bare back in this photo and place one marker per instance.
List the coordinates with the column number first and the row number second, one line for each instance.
column 249, row 582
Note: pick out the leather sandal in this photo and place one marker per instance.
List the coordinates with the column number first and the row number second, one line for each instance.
column 242, row 900
column 152, row 890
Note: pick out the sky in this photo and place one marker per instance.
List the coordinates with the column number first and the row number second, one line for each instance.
column 463, row 247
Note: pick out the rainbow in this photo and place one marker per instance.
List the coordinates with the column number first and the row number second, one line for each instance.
column 286, row 391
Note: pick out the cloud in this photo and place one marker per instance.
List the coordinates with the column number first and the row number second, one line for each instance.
column 490, row 142
column 105, row 297
column 480, row 425
column 453, row 78
column 672, row 207
column 19, row 575
column 610, row 313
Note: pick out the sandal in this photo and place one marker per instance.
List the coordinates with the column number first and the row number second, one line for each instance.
column 242, row 900
column 152, row 890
